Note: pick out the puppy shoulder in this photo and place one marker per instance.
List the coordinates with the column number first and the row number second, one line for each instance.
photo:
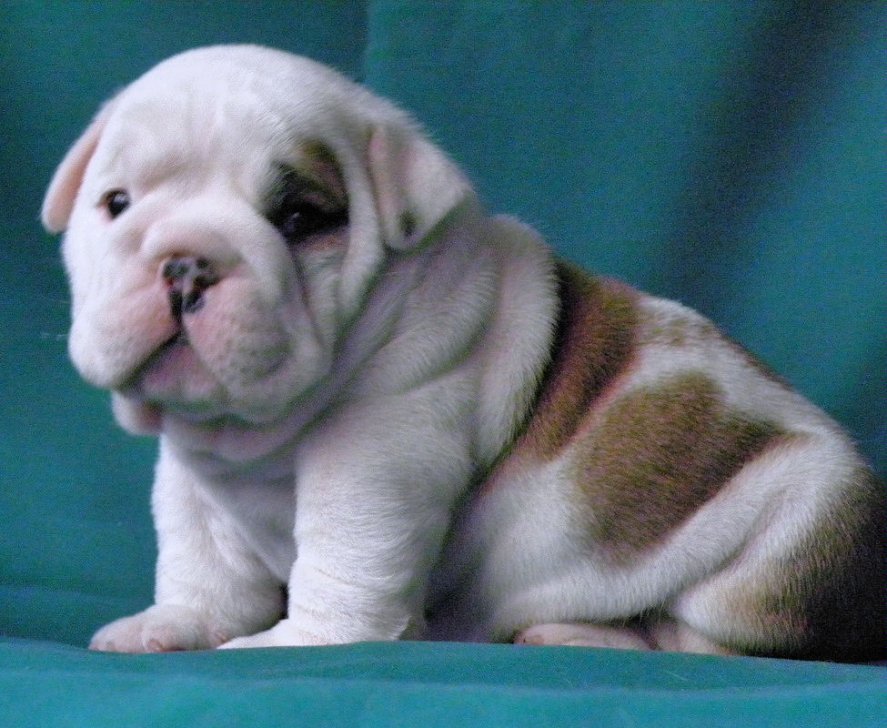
column 592, row 351
column 516, row 345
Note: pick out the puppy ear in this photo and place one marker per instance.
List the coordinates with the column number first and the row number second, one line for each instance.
column 65, row 183
column 416, row 185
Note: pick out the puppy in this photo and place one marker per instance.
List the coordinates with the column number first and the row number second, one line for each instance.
column 384, row 414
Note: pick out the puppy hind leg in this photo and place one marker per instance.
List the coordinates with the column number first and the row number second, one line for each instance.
column 582, row 634
column 809, row 586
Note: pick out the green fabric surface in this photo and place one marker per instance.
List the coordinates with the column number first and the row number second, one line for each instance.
column 726, row 154
column 424, row 684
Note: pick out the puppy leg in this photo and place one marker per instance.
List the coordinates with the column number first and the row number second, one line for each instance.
column 209, row 587
column 809, row 584
column 584, row 635
column 370, row 523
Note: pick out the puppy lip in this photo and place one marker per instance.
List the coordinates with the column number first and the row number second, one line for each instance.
column 131, row 382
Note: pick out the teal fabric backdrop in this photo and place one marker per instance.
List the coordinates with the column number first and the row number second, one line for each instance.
column 729, row 155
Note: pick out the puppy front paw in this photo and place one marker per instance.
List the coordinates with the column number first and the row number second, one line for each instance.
column 160, row 628
column 283, row 634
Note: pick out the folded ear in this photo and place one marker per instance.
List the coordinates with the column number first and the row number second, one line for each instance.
column 415, row 185
column 65, row 183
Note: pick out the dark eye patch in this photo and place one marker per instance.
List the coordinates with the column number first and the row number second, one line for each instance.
column 300, row 208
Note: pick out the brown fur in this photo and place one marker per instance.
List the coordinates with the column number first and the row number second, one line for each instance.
column 656, row 455
column 594, row 343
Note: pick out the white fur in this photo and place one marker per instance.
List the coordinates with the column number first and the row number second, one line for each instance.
column 333, row 407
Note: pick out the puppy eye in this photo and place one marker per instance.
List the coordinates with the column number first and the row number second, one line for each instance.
column 299, row 207
column 297, row 219
column 115, row 202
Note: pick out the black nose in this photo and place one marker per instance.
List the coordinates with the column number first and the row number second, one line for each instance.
column 187, row 277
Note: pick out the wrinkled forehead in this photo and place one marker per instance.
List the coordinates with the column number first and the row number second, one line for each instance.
column 210, row 111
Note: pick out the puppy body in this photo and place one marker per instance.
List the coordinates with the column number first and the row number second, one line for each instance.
column 414, row 417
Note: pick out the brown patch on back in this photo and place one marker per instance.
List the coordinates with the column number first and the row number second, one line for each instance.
column 656, row 455
column 593, row 343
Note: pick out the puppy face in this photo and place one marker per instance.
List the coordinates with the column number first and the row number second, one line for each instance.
column 223, row 230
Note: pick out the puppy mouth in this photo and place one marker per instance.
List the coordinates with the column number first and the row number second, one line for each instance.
column 170, row 371
column 177, row 340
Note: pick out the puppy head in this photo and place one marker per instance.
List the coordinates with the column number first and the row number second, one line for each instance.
column 226, row 216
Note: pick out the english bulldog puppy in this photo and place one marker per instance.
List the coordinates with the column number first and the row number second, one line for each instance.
column 385, row 414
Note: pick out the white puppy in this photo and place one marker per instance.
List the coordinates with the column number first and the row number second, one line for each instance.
column 384, row 414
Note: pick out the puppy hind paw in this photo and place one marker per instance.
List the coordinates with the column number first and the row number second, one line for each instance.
column 674, row 636
column 583, row 635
